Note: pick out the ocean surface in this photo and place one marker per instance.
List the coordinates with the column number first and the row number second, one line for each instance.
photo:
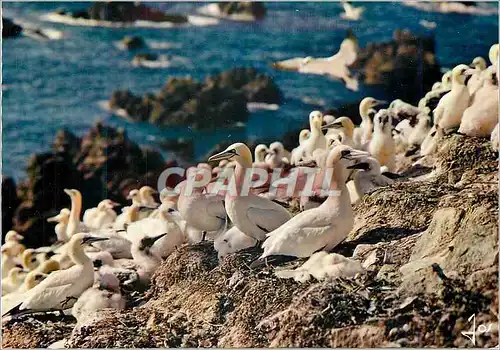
column 48, row 85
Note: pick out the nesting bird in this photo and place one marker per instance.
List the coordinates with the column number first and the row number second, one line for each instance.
column 62, row 220
column 325, row 226
column 255, row 216
column 382, row 144
column 60, row 289
column 449, row 111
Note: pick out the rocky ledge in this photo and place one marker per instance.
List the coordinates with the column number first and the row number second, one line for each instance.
column 117, row 11
column 10, row 29
column 407, row 66
column 430, row 249
column 103, row 163
column 218, row 101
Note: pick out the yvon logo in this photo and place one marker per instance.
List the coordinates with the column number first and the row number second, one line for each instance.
column 481, row 329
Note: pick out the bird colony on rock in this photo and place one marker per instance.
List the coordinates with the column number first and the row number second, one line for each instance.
column 98, row 252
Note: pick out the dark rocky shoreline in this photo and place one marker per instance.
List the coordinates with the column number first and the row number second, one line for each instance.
column 10, row 29
column 104, row 163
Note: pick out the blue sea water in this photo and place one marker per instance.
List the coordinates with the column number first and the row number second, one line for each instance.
column 53, row 84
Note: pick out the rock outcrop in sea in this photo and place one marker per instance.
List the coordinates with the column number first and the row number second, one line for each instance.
column 104, row 163
column 117, row 11
column 406, row 66
column 252, row 9
column 429, row 247
column 218, row 101
column 10, row 29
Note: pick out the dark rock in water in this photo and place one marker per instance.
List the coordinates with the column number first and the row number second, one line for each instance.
column 257, row 10
column 468, row 3
column 104, row 163
column 133, row 42
column 10, row 29
column 117, row 11
column 144, row 56
column 130, row 12
column 219, row 101
column 406, row 66
column 10, row 202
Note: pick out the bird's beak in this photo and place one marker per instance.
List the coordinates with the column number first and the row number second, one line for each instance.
column 114, row 204
column 379, row 102
column 154, row 239
column 468, row 74
column 68, row 192
column 54, row 218
column 307, row 163
column 149, row 241
column 333, row 125
column 361, row 166
column 92, row 239
column 154, row 191
column 221, row 156
column 129, row 197
column 354, row 154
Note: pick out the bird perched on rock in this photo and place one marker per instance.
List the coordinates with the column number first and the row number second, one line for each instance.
column 325, row 226
column 253, row 215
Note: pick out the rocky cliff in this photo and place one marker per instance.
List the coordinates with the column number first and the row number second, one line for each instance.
column 430, row 248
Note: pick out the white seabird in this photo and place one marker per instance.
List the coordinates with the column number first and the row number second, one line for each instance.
column 480, row 118
column 232, row 241
column 451, row 107
column 368, row 177
column 363, row 134
column 260, row 153
column 335, row 66
column 344, row 125
column 151, row 227
column 276, row 157
column 350, row 12
column 74, row 224
column 104, row 294
column 382, row 144
column 13, row 243
column 60, row 289
column 253, row 215
column 62, row 220
column 322, row 265
column 100, row 216
column 325, row 226
column 199, row 210
column 315, row 140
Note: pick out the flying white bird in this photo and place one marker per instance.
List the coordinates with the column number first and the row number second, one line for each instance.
column 335, row 66
column 350, row 12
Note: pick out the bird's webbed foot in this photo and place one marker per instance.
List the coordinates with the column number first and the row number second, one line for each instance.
column 67, row 300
